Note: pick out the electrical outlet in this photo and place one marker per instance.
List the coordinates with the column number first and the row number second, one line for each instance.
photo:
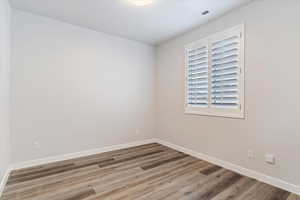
column 250, row 154
column 270, row 159
column 37, row 145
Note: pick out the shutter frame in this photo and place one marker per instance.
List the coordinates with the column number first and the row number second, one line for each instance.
column 228, row 71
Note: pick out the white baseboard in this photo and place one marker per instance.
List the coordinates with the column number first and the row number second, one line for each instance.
column 4, row 180
column 236, row 168
column 47, row 160
column 225, row 164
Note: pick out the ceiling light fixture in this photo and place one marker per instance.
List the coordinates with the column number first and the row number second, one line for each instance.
column 141, row 2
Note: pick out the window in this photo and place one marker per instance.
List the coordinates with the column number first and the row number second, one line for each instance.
column 215, row 75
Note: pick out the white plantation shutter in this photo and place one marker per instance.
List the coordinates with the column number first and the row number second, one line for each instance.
column 197, row 76
column 214, row 75
column 225, row 72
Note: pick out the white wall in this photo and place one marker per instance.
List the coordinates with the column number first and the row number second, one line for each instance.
column 272, row 92
column 74, row 89
column 4, row 86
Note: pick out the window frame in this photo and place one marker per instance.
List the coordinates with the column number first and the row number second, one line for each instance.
column 211, row 110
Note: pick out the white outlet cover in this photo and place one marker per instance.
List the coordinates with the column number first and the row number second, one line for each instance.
column 37, row 145
column 250, row 154
column 270, row 159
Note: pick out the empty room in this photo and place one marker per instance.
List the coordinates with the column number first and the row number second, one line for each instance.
column 149, row 100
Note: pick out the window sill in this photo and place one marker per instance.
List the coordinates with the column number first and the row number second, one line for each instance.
column 233, row 115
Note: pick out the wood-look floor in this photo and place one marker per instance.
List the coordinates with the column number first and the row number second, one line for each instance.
column 148, row 172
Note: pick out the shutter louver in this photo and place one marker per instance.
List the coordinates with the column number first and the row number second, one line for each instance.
column 197, row 76
column 225, row 72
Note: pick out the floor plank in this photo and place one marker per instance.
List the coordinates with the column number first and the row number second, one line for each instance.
column 293, row 197
column 147, row 172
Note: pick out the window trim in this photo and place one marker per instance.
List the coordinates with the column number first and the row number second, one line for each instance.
column 213, row 111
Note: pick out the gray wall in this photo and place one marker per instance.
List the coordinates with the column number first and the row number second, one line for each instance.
column 4, row 86
column 272, row 92
column 74, row 89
